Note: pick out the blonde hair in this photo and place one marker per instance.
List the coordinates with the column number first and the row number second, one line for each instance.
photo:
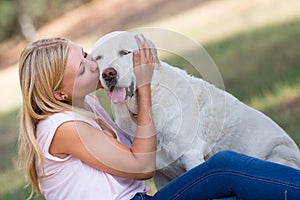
column 41, row 69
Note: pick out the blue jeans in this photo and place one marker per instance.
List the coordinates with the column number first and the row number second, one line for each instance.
column 230, row 174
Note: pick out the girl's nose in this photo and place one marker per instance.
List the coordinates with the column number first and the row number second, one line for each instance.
column 94, row 66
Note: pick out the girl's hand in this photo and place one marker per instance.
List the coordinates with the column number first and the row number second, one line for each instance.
column 144, row 60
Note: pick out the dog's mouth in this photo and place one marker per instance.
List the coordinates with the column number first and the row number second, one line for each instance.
column 120, row 94
column 131, row 104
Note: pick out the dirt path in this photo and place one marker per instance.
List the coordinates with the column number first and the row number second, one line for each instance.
column 209, row 19
column 99, row 17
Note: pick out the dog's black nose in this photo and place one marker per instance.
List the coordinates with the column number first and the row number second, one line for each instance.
column 110, row 77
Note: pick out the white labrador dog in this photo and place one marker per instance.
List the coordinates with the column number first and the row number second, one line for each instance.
column 193, row 118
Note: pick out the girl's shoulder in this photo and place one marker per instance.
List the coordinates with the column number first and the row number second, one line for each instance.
column 47, row 128
column 56, row 119
column 52, row 122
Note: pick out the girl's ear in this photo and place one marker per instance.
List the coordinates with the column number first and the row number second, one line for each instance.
column 60, row 95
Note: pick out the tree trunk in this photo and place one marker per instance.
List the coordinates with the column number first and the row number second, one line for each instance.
column 27, row 28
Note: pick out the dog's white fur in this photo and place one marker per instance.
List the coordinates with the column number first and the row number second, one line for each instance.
column 193, row 118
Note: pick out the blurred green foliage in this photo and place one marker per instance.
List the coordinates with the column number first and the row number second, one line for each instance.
column 8, row 20
column 41, row 12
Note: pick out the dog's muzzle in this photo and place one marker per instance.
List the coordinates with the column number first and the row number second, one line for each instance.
column 130, row 90
column 115, row 93
column 109, row 75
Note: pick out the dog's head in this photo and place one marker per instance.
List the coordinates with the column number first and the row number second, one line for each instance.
column 114, row 55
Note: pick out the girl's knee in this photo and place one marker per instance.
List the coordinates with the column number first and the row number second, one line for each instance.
column 226, row 153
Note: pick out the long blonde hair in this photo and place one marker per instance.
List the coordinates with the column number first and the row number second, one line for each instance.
column 41, row 69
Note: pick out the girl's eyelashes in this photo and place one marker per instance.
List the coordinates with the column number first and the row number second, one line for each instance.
column 85, row 54
column 82, row 70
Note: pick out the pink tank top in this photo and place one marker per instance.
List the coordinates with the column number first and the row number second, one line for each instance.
column 71, row 179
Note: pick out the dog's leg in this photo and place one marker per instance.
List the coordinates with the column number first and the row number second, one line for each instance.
column 123, row 120
column 194, row 154
column 160, row 180
column 191, row 159
column 285, row 154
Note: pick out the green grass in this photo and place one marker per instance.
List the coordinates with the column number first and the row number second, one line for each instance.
column 261, row 67
column 256, row 61
column 11, row 180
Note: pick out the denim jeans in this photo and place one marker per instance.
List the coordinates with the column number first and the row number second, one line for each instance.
column 234, row 175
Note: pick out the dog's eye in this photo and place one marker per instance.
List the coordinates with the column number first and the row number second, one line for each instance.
column 124, row 52
column 98, row 57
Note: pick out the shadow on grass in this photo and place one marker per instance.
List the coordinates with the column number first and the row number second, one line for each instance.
column 9, row 127
column 19, row 194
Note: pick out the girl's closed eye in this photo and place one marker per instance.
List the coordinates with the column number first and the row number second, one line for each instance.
column 85, row 54
column 82, row 70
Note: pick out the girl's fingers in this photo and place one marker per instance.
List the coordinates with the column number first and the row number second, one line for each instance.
column 136, row 58
column 144, row 49
column 140, row 45
column 155, row 56
column 146, row 54
column 147, row 48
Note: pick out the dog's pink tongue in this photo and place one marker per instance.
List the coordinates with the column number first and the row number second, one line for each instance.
column 117, row 95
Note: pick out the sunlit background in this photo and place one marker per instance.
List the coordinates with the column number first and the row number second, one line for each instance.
column 255, row 44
